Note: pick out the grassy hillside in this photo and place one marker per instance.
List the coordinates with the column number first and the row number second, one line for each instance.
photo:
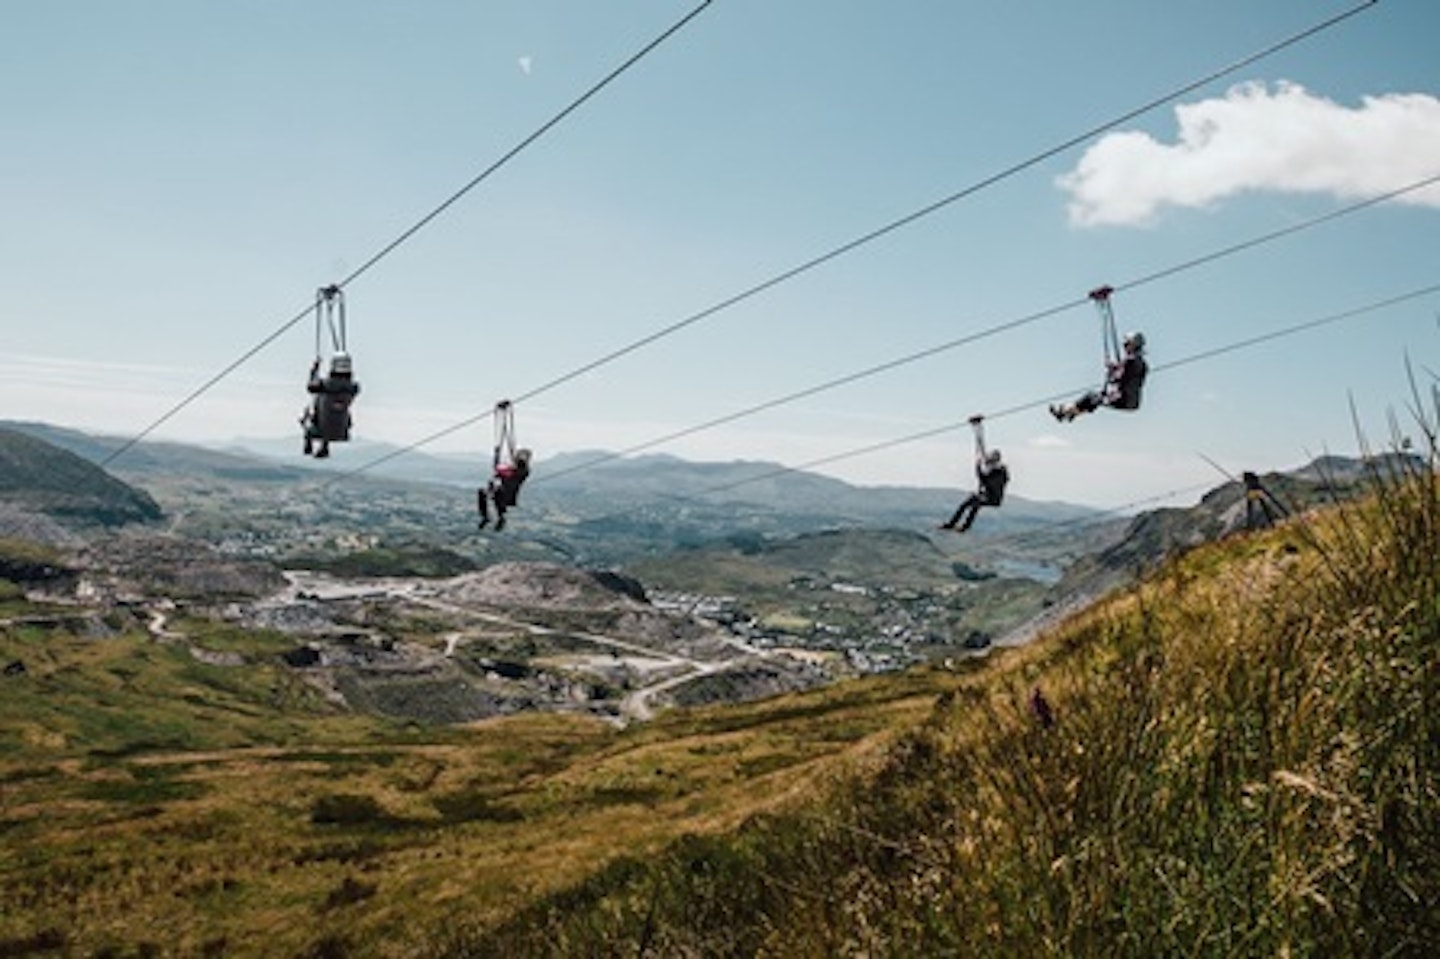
column 156, row 802
column 36, row 475
column 1155, row 534
column 1239, row 757
column 1236, row 758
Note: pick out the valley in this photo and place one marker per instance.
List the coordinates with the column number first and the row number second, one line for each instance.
column 278, row 720
column 393, row 604
column 175, row 785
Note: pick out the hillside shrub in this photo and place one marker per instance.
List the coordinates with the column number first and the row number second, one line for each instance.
column 347, row 809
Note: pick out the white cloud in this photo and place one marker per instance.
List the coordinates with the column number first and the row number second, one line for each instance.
column 525, row 63
column 1254, row 138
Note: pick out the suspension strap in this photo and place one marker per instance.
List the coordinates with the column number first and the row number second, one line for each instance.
column 1109, row 335
column 330, row 314
column 977, row 424
column 504, row 433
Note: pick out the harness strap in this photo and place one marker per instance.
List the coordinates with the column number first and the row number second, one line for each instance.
column 504, row 433
column 330, row 314
column 1109, row 335
column 977, row 423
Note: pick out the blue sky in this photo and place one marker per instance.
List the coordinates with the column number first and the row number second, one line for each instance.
column 179, row 177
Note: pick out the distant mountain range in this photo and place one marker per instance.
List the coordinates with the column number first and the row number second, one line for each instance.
column 152, row 456
column 590, row 493
column 615, row 483
column 596, row 508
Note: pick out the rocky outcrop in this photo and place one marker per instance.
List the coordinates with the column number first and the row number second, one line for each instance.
column 19, row 523
column 175, row 568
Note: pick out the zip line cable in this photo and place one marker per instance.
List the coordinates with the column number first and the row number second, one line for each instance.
column 545, row 128
column 420, row 224
column 879, row 232
column 1046, row 401
column 1035, row 404
column 1094, row 518
column 1218, row 468
column 943, row 202
column 991, row 331
column 1002, row 327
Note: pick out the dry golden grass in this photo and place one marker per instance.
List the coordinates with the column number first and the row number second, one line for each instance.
column 1242, row 761
column 359, row 832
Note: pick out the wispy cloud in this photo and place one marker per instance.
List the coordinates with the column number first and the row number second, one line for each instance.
column 1256, row 138
column 525, row 63
column 28, row 370
column 121, row 398
column 1048, row 441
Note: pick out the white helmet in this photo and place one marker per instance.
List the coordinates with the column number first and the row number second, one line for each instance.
column 1136, row 339
column 522, row 456
column 340, row 363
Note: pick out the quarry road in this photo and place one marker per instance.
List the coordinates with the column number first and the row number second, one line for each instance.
column 672, row 669
column 636, row 704
column 536, row 630
column 159, row 623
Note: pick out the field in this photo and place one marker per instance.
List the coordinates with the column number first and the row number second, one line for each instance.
column 1238, row 757
column 153, row 804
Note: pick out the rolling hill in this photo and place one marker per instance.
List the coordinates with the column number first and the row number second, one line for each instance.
column 1239, row 756
column 1152, row 536
column 1236, row 756
column 39, row 477
column 613, row 512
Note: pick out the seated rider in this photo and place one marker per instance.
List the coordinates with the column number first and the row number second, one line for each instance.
column 504, row 488
column 1123, row 381
column 992, row 476
column 328, row 417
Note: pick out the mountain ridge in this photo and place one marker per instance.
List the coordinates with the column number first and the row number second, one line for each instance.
column 39, row 476
column 604, row 513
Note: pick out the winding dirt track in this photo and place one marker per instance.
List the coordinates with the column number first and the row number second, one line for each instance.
column 635, row 707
